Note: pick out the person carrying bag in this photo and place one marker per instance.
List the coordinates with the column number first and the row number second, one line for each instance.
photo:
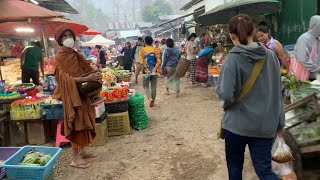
column 250, row 87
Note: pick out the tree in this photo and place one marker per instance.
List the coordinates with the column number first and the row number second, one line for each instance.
column 150, row 13
column 88, row 15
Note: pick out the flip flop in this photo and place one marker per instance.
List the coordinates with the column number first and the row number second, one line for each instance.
column 81, row 166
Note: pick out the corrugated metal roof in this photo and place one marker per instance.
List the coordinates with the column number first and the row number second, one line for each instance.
column 120, row 26
column 144, row 24
column 57, row 5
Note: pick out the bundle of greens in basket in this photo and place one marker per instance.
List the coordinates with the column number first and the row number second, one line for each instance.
column 137, row 112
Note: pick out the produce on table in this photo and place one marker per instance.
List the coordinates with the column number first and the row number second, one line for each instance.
column 309, row 135
column 33, row 158
column 214, row 70
column 12, row 95
column 117, row 68
column 123, row 74
column 281, row 153
column 115, row 94
column 307, row 112
column 28, row 108
column 51, row 101
column 291, row 83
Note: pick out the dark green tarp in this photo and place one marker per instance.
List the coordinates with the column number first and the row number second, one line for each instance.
column 223, row 13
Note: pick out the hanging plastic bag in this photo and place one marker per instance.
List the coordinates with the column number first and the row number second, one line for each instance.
column 284, row 171
column 281, row 153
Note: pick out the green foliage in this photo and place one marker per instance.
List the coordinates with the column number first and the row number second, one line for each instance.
column 150, row 13
column 291, row 83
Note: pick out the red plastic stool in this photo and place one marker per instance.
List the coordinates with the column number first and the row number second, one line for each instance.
column 59, row 137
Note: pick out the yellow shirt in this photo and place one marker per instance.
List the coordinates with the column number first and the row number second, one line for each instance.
column 145, row 51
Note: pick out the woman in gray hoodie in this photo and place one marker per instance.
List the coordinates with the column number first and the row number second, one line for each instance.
column 304, row 46
column 258, row 116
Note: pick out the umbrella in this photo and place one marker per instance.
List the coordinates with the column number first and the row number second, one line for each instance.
column 223, row 13
column 16, row 10
column 99, row 40
column 91, row 32
column 49, row 27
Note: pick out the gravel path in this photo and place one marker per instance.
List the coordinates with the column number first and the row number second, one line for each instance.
column 179, row 143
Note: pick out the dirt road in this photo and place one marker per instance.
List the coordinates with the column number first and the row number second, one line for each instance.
column 179, row 143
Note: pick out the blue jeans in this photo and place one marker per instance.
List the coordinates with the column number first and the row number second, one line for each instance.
column 260, row 151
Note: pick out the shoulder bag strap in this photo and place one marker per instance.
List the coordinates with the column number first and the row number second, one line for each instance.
column 245, row 89
column 249, row 83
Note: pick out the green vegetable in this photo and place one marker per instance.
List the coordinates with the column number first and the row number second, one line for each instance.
column 44, row 160
column 30, row 159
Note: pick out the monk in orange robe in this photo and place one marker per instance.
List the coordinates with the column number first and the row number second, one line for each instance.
column 79, row 114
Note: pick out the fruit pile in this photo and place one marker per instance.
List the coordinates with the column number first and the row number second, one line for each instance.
column 115, row 94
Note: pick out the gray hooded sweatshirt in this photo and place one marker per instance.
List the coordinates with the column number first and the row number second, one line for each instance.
column 304, row 47
column 260, row 113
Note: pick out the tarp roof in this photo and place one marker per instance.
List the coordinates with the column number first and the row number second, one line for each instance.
column 98, row 40
column 223, row 13
column 15, row 10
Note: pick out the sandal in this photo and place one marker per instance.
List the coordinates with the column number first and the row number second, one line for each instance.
column 152, row 103
column 81, row 166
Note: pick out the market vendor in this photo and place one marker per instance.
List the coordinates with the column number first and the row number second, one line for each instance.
column 79, row 114
column 31, row 57
column 264, row 36
column 203, row 60
column 307, row 48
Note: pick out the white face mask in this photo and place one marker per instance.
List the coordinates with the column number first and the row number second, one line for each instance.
column 68, row 43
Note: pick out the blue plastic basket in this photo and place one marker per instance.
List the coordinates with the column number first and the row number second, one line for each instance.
column 5, row 153
column 53, row 111
column 15, row 171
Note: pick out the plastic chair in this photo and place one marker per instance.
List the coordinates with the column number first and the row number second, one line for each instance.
column 59, row 137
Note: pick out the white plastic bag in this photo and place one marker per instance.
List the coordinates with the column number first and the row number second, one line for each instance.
column 281, row 153
column 284, row 171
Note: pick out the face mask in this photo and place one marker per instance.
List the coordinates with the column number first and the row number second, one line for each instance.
column 68, row 43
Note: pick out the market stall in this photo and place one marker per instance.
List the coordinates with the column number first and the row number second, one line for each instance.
column 302, row 131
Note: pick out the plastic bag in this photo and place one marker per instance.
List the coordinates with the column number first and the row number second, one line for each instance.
column 281, row 153
column 284, row 171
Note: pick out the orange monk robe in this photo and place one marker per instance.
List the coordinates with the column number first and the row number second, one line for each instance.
column 79, row 114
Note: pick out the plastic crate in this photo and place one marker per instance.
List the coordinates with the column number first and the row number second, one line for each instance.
column 117, row 107
column 53, row 111
column 102, row 118
column 5, row 153
column 15, row 171
column 118, row 124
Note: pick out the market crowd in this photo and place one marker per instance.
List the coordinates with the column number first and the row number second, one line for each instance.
column 249, row 83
